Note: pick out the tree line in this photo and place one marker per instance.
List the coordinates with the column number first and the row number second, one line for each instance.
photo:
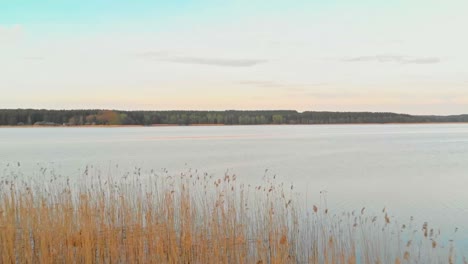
column 18, row 117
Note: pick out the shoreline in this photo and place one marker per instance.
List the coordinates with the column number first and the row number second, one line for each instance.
column 216, row 125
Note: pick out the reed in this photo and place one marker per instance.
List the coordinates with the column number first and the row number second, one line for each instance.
column 195, row 218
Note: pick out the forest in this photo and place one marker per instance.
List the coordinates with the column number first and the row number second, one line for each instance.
column 42, row 117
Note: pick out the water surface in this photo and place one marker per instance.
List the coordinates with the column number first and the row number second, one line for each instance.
column 412, row 170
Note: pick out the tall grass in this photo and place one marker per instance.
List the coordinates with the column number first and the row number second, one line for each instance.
column 195, row 218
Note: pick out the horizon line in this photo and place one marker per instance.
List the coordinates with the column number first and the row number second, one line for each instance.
column 225, row 110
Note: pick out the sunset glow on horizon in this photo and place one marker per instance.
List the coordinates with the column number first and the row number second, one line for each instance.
column 385, row 56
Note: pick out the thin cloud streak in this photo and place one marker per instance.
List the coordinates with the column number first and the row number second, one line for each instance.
column 395, row 59
column 34, row 58
column 274, row 84
column 221, row 62
column 263, row 84
column 218, row 62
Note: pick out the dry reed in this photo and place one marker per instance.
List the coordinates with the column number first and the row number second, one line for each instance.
column 194, row 218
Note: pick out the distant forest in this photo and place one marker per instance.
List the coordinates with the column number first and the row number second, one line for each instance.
column 18, row 117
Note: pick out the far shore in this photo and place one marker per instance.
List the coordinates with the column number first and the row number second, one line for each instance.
column 208, row 125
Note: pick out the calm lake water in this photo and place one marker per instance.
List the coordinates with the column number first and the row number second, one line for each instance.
column 412, row 170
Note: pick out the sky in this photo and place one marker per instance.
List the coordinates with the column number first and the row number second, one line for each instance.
column 405, row 56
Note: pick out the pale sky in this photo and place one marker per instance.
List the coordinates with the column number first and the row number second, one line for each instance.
column 405, row 56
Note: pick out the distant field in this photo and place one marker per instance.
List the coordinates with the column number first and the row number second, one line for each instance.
column 196, row 218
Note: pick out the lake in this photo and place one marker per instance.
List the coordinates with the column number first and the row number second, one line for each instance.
column 412, row 170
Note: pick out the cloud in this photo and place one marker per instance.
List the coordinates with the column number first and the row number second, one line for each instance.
column 286, row 86
column 395, row 59
column 34, row 58
column 222, row 62
column 263, row 84
column 10, row 33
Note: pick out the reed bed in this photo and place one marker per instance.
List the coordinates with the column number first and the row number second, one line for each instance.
column 195, row 218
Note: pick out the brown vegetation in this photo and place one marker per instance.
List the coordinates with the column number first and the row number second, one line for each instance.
column 193, row 218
